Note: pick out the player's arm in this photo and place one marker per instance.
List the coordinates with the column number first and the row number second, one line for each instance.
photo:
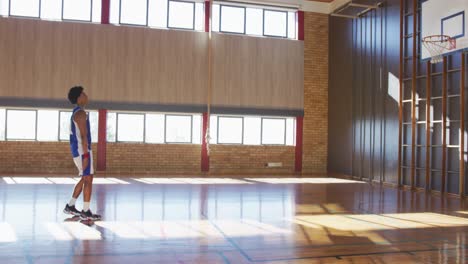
column 80, row 119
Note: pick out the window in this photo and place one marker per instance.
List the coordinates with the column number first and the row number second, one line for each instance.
column 215, row 18
column 51, row 9
column 181, row 15
column 178, row 129
column 290, row 131
column 254, row 21
column 80, row 10
column 197, row 129
column 133, row 12
column 2, row 123
column 292, row 25
column 230, row 130
column 76, row 10
column 199, row 16
column 275, row 23
column 65, row 121
column 157, row 13
column 21, row 125
column 94, row 124
column 274, row 131
column 154, row 128
column 111, row 127
column 47, row 125
column 252, row 130
column 130, row 127
column 25, row 8
column 232, row 19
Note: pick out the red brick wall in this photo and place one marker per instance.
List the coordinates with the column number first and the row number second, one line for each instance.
column 315, row 93
column 231, row 159
column 37, row 157
column 153, row 158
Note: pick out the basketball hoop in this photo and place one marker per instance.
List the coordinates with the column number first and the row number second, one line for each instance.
column 437, row 44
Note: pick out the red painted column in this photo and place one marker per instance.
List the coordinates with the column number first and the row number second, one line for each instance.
column 300, row 25
column 205, row 159
column 299, row 133
column 207, row 16
column 102, row 140
column 105, row 11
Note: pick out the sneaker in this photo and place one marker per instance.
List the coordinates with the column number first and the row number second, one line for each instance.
column 89, row 216
column 71, row 210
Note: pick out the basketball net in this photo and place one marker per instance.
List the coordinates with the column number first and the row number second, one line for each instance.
column 437, row 45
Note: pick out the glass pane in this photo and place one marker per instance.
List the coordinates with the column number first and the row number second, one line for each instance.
column 215, row 19
column 292, row 25
column 77, row 10
column 28, row 8
column 157, row 15
column 178, row 129
column 2, row 124
column 213, row 129
column 4, row 8
column 65, row 120
column 47, row 125
column 97, row 6
column 94, row 124
column 181, row 15
column 197, row 129
column 252, row 130
column 254, row 21
column 273, row 131
column 154, row 128
column 290, row 131
column 230, row 130
column 21, row 124
column 51, row 9
column 111, row 127
column 133, row 12
column 232, row 19
column 130, row 127
column 275, row 23
column 114, row 12
column 199, row 16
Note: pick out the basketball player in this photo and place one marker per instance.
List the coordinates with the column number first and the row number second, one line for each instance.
column 80, row 145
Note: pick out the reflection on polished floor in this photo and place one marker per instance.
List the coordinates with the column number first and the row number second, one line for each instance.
column 221, row 220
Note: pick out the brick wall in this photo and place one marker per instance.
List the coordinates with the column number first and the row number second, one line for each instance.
column 231, row 159
column 315, row 93
column 153, row 158
column 37, row 157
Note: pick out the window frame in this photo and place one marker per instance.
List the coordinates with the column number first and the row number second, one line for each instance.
column 78, row 20
column 275, row 36
column 191, row 128
column 130, row 24
column 19, row 16
column 285, row 131
column 117, row 127
column 168, row 17
column 217, row 129
column 221, row 19
column 6, row 124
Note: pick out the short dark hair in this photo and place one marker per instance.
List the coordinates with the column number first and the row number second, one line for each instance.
column 74, row 93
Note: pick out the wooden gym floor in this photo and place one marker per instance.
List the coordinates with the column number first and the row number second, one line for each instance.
column 218, row 220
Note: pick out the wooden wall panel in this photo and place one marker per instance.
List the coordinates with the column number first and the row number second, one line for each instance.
column 42, row 59
column 259, row 72
column 114, row 63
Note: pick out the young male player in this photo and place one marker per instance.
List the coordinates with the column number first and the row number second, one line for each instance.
column 80, row 145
